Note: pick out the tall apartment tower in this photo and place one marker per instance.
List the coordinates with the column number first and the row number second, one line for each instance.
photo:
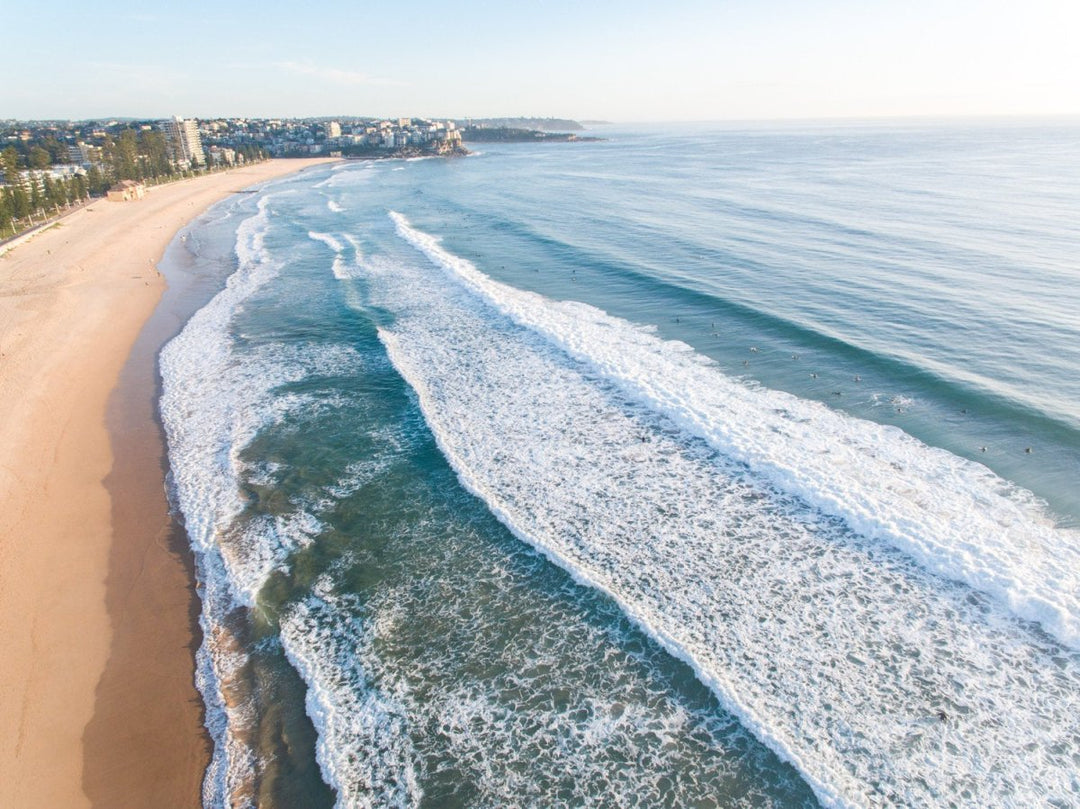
column 183, row 139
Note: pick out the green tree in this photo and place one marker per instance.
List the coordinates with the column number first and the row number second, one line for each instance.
column 153, row 147
column 37, row 200
column 57, row 150
column 96, row 181
column 39, row 158
column 9, row 162
column 125, row 156
column 78, row 187
column 108, row 161
column 7, row 213
column 62, row 191
column 55, row 192
column 48, row 193
column 20, row 201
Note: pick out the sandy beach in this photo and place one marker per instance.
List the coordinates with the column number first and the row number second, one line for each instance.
column 97, row 622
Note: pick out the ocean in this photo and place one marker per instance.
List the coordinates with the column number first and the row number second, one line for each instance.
column 703, row 466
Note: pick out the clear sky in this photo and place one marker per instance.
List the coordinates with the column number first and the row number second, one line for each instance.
column 621, row 60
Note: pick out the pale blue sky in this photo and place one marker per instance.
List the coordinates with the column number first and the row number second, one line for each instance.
column 622, row 60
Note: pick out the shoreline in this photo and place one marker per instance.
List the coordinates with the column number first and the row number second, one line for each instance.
column 98, row 612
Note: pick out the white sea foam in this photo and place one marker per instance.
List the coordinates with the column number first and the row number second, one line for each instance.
column 528, row 722
column 951, row 515
column 346, row 175
column 233, row 765
column 357, row 475
column 704, row 509
column 893, row 401
column 364, row 750
column 327, row 239
column 334, row 206
column 203, row 423
column 343, row 270
column 215, row 400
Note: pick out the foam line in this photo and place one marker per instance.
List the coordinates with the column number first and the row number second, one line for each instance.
column 825, row 791
column 837, row 651
column 215, row 400
column 363, row 750
column 953, row 516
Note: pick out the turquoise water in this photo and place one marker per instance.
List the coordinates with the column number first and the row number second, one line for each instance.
column 702, row 466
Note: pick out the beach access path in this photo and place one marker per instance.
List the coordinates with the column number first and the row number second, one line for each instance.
column 97, row 618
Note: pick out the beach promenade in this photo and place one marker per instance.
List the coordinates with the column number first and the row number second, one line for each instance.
column 97, row 618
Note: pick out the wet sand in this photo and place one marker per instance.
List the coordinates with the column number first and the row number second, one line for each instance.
column 97, row 608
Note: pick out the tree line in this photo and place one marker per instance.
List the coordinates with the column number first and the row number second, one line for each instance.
column 141, row 155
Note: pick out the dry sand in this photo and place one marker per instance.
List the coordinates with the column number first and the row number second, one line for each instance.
column 97, row 702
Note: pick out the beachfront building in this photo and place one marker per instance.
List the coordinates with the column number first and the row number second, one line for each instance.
column 182, row 136
column 37, row 180
column 218, row 156
column 126, row 191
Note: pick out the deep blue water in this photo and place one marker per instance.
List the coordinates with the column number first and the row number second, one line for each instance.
column 701, row 466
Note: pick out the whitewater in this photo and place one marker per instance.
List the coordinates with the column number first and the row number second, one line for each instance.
column 719, row 551
column 495, row 504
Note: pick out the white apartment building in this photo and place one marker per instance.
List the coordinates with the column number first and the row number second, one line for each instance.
column 183, row 139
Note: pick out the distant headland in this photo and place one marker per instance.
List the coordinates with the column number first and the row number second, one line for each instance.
column 509, row 134
column 47, row 167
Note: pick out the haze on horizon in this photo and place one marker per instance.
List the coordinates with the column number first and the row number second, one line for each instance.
column 617, row 60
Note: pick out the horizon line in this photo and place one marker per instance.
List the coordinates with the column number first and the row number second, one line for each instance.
column 592, row 120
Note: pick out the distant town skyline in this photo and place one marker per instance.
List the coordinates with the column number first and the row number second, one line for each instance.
column 619, row 61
